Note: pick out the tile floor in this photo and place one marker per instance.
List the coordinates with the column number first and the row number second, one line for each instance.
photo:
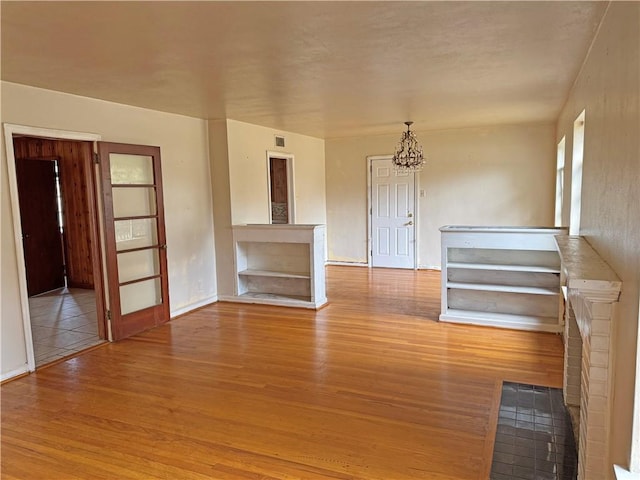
column 534, row 438
column 63, row 322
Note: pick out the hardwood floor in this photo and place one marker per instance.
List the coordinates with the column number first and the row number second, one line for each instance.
column 370, row 387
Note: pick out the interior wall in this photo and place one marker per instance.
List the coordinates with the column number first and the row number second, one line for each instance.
column 246, row 197
column 187, row 193
column 219, row 153
column 608, row 89
column 248, row 173
column 500, row 175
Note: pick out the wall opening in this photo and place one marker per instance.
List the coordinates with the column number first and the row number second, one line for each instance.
column 54, row 197
column 281, row 194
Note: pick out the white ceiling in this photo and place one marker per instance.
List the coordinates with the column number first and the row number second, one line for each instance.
column 326, row 69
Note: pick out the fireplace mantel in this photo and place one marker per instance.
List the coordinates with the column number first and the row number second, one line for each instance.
column 593, row 289
column 586, row 272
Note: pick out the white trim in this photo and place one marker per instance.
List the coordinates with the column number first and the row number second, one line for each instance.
column 15, row 373
column 622, row 474
column 577, row 162
column 227, row 298
column 560, row 157
column 9, row 131
column 370, row 160
column 430, row 267
column 346, row 264
column 291, row 200
column 416, row 216
column 634, row 460
column 193, row 306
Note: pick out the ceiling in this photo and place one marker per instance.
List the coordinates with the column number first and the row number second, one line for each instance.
column 326, row 69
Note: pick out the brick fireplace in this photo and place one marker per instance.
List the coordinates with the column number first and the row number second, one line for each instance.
column 591, row 292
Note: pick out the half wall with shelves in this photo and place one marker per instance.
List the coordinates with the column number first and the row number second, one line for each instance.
column 280, row 265
column 502, row 277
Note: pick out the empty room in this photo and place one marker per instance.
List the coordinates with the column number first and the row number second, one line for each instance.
column 320, row 240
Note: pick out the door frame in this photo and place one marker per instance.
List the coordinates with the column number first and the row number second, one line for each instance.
column 416, row 215
column 290, row 184
column 97, row 246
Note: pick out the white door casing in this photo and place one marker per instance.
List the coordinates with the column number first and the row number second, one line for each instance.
column 9, row 131
column 392, row 216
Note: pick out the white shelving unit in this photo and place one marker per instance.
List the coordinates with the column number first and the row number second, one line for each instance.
column 280, row 264
column 502, row 277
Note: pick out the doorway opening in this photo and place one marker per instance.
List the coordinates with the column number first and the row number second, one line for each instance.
column 58, row 216
column 281, row 196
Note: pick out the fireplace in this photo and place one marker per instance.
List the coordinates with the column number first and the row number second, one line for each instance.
column 591, row 292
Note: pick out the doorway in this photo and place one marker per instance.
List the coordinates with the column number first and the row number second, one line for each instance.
column 392, row 218
column 55, row 187
column 127, row 242
column 281, row 195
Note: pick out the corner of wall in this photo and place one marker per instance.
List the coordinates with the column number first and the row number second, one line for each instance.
column 221, row 197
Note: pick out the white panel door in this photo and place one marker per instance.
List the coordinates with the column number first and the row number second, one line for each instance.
column 392, row 216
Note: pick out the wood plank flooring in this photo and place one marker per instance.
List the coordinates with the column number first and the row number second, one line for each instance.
column 369, row 387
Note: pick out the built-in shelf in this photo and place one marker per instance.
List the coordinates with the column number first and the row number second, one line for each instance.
column 488, row 287
column 503, row 267
column 273, row 273
column 279, row 265
column 494, row 319
column 274, row 299
column 501, row 277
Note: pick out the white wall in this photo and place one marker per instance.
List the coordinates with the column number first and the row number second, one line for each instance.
column 248, row 146
column 608, row 88
column 187, row 193
column 219, row 153
column 502, row 175
column 245, row 197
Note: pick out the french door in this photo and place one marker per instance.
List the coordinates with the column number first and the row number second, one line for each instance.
column 136, row 256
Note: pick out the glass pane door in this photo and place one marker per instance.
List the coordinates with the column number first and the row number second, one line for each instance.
column 136, row 238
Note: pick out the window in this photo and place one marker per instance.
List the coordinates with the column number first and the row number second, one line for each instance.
column 559, row 182
column 576, row 174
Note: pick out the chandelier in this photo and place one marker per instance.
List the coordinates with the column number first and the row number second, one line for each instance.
column 408, row 156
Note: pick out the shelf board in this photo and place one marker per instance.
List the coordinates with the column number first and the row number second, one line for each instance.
column 275, row 296
column 273, row 273
column 504, row 267
column 489, row 287
column 503, row 320
column 275, row 299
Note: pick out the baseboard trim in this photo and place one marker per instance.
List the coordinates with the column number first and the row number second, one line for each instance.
column 194, row 306
column 346, row 264
column 430, row 267
column 15, row 373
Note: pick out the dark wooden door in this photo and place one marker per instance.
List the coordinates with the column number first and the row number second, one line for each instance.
column 279, row 190
column 135, row 237
column 41, row 237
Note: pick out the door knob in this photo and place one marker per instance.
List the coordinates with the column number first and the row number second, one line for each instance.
column 409, row 215
column 409, row 223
